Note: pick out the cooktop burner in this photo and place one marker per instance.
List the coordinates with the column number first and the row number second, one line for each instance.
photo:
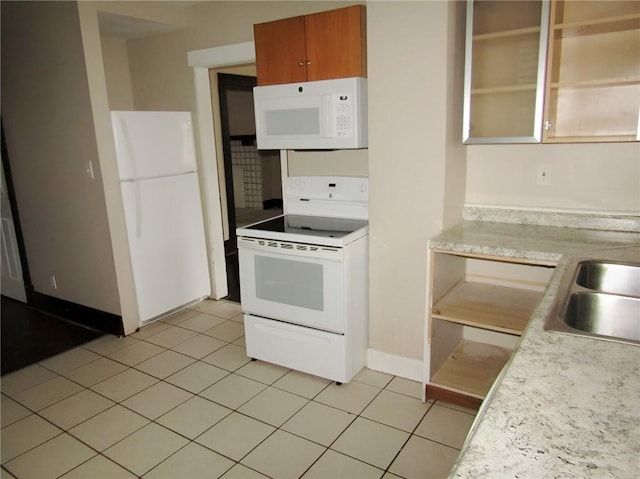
column 310, row 225
column 308, row 229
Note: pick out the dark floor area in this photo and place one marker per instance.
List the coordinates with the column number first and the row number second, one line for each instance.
column 233, row 276
column 29, row 336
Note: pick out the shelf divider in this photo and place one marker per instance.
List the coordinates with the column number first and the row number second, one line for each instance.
column 597, row 26
column 488, row 306
column 506, row 33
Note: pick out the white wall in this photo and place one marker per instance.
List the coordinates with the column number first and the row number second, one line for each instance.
column 320, row 163
column 116, row 69
column 414, row 49
column 590, row 176
column 46, row 112
column 243, row 120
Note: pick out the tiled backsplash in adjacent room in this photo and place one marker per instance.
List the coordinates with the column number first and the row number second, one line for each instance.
column 246, row 158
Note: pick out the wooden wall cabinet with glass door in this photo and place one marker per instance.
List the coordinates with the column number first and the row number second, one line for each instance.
column 506, row 44
column 320, row 46
column 559, row 71
column 593, row 78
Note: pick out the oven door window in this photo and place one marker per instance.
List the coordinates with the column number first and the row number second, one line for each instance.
column 285, row 281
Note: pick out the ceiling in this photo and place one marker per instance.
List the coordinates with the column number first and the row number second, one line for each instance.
column 112, row 25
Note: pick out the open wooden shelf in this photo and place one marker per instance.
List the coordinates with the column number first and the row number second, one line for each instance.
column 503, row 89
column 604, row 83
column 598, row 26
column 479, row 306
column 592, row 139
column 497, row 308
column 593, row 77
column 506, row 34
column 591, row 71
column 472, row 368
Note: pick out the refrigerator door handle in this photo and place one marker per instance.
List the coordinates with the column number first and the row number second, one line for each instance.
column 129, row 146
column 136, row 193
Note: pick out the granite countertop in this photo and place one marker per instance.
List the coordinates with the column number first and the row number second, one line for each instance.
column 564, row 405
column 530, row 242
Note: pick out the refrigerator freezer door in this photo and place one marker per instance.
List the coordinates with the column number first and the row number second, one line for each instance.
column 167, row 243
column 151, row 144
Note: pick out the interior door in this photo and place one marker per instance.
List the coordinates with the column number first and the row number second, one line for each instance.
column 227, row 83
column 12, row 278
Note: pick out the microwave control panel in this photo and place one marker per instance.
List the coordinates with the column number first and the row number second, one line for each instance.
column 343, row 121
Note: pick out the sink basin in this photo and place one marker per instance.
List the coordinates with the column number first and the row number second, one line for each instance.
column 599, row 299
column 604, row 314
column 616, row 278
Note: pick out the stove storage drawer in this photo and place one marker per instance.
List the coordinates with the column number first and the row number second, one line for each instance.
column 308, row 350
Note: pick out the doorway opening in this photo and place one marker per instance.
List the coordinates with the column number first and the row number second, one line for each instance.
column 15, row 273
column 252, row 177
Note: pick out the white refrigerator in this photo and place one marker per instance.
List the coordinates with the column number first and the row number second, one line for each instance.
column 163, row 211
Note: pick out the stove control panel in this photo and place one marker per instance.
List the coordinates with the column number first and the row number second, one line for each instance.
column 333, row 196
column 343, row 188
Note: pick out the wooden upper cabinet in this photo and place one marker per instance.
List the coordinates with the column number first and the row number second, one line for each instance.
column 336, row 44
column 320, row 46
column 281, row 51
column 506, row 45
column 593, row 78
column 552, row 71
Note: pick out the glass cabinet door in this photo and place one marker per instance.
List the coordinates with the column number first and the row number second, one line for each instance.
column 593, row 82
column 506, row 47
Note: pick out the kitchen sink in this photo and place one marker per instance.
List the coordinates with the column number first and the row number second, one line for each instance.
column 604, row 314
column 599, row 299
column 616, row 278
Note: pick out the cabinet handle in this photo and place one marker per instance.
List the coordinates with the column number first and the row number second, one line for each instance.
column 308, row 63
column 547, row 125
column 300, row 64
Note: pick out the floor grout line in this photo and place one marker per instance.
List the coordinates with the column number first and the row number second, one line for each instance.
column 272, row 384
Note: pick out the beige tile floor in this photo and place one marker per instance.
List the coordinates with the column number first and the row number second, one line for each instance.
column 180, row 399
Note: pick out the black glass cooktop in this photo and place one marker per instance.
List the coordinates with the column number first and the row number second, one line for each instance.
column 310, row 225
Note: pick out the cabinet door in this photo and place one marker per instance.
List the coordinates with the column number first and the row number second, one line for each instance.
column 506, row 47
column 281, row 51
column 593, row 82
column 336, row 43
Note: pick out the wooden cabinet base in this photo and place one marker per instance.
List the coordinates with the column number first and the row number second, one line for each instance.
column 446, row 395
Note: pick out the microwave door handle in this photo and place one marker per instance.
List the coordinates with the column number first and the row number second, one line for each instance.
column 330, row 121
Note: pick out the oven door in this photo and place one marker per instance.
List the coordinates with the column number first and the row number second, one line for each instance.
column 297, row 283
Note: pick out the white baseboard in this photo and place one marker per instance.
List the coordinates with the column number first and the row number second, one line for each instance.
column 397, row 365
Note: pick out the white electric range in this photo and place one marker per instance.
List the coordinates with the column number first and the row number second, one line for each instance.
column 304, row 279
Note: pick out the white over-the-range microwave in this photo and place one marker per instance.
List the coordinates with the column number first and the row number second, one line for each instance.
column 315, row 115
